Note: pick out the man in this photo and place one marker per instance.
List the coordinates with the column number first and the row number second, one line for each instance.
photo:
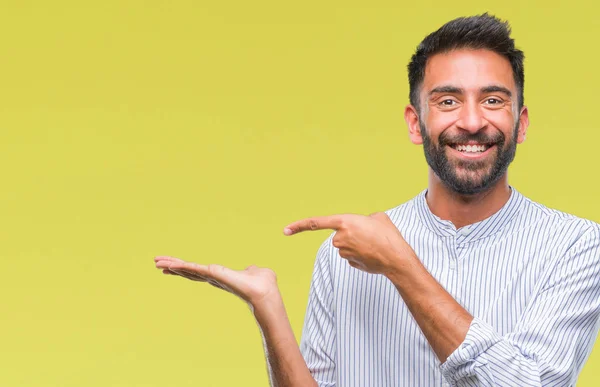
column 470, row 283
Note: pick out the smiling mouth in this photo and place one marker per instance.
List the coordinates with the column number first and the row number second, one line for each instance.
column 472, row 151
column 471, row 148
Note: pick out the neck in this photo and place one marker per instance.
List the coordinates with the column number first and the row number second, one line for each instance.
column 463, row 210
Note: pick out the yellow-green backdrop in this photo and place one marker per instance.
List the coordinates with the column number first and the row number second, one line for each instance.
column 198, row 129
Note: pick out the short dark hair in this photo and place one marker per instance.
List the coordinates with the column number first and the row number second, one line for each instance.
column 473, row 32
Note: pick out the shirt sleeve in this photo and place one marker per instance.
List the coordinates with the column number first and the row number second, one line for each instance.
column 552, row 341
column 318, row 334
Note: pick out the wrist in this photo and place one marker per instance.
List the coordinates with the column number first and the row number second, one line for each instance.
column 266, row 305
column 403, row 265
column 272, row 318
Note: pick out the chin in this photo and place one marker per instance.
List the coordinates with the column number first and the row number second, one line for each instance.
column 468, row 190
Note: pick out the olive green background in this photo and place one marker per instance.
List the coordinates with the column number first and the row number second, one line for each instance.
column 199, row 129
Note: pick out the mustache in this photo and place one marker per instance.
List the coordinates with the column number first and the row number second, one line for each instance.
column 462, row 138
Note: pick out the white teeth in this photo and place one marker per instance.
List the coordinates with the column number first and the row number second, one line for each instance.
column 471, row 148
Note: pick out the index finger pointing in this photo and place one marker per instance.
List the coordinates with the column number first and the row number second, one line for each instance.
column 311, row 224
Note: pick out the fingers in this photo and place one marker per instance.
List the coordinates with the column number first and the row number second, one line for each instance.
column 188, row 275
column 216, row 275
column 164, row 259
column 165, row 262
column 190, row 269
column 195, row 272
column 195, row 277
column 333, row 222
column 198, row 272
column 176, row 266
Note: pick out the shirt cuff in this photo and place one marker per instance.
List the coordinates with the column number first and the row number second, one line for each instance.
column 464, row 361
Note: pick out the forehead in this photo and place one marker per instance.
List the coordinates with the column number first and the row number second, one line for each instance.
column 468, row 69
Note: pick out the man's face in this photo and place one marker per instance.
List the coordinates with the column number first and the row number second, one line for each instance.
column 469, row 122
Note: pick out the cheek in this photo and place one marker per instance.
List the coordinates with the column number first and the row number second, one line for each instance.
column 438, row 122
column 503, row 121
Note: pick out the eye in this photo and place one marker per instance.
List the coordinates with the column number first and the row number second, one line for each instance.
column 493, row 101
column 447, row 102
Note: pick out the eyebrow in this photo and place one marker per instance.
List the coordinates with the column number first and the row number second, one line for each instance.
column 458, row 90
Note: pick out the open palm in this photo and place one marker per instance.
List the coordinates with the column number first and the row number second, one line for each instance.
column 252, row 284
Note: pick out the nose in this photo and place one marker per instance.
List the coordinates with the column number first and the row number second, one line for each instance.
column 471, row 117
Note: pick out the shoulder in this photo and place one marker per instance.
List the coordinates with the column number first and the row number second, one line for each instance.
column 559, row 225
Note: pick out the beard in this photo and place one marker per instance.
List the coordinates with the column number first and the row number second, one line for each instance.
column 479, row 175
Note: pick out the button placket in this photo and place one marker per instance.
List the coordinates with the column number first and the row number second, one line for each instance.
column 452, row 278
column 455, row 253
column 458, row 252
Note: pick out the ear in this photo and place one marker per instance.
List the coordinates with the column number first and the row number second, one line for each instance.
column 523, row 124
column 412, row 120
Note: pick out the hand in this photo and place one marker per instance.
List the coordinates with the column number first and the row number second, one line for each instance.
column 369, row 243
column 253, row 285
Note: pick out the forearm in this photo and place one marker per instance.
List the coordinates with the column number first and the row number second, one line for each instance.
column 287, row 367
column 443, row 321
column 548, row 350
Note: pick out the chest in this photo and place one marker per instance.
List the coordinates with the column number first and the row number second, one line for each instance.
column 494, row 279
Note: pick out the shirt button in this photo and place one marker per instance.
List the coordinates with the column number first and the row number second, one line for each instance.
column 463, row 231
column 452, row 265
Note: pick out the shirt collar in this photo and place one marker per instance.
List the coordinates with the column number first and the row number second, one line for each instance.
column 472, row 232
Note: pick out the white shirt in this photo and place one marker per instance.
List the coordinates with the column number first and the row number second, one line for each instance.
column 529, row 275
